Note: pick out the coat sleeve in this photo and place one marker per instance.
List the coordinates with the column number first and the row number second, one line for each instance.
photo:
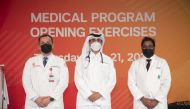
column 80, row 83
column 63, row 81
column 165, row 83
column 132, row 84
column 26, row 81
column 108, row 87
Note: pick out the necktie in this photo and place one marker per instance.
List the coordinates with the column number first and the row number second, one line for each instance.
column 45, row 61
column 148, row 64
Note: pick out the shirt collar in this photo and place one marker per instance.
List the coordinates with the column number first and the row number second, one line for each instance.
column 49, row 56
column 152, row 58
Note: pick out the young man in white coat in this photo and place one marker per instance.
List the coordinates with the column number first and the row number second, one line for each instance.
column 95, row 75
column 45, row 78
column 149, row 78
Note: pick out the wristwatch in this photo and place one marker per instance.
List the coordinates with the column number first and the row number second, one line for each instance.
column 52, row 99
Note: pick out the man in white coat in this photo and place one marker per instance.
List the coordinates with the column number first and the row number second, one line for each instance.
column 45, row 78
column 95, row 75
column 149, row 78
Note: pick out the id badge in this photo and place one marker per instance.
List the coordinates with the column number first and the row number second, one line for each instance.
column 51, row 76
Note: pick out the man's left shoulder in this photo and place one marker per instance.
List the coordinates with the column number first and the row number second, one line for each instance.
column 58, row 59
column 160, row 59
column 107, row 58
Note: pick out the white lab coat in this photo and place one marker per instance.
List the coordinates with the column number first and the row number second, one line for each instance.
column 153, row 84
column 94, row 76
column 36, row 81
column 4, row 98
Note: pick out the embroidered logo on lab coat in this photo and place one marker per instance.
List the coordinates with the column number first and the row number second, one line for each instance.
column 35, row 65
column 158, row 76
column 158, row 67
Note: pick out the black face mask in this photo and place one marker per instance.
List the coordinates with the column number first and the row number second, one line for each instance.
column 46, row 48
column 148, row 52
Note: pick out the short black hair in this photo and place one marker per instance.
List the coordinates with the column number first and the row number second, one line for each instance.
column 45, row 35
column 148, row 39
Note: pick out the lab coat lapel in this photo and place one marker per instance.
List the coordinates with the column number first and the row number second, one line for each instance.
column 49, row 62
column 40, row 62
column 144, row 63
column 152, row 65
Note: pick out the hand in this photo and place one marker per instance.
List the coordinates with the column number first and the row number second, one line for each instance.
column 146, row 102
column 42, row 101
column 38, row 101
column 95, row 96
column 154, row 103
column 149, row 103
column 46, row 100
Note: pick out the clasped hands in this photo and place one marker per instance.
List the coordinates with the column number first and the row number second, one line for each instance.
column 43, row 101
column 95, row 96
column 149, row 103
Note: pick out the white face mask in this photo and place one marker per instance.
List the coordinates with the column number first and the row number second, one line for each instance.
column 96, row 46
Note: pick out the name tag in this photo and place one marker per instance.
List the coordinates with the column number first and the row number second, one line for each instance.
column 54, row 66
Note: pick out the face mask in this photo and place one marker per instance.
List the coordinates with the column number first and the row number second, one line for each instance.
column 46, row 48
column 96, row 46
column 148, row 52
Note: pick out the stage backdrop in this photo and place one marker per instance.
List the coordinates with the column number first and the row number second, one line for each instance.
column 124, row 23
